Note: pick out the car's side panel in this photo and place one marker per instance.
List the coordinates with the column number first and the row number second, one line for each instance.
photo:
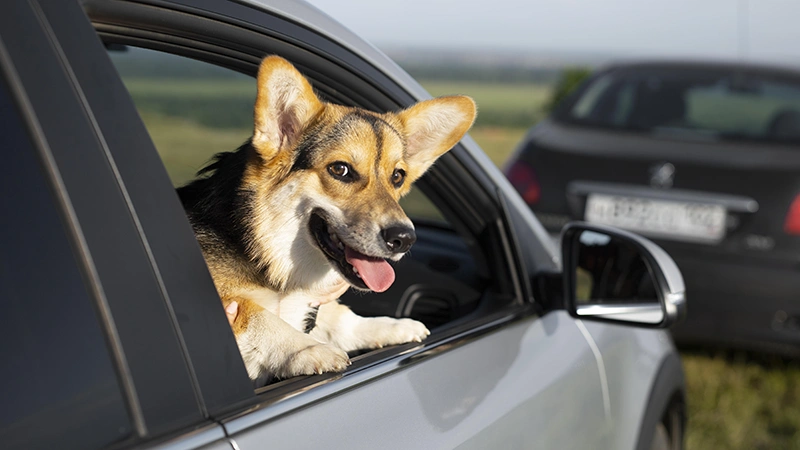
column 521, row 386
column 632, row 358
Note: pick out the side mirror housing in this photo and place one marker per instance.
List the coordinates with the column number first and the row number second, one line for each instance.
column 616, row 276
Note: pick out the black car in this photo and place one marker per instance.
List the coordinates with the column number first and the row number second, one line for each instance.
column 701, row 157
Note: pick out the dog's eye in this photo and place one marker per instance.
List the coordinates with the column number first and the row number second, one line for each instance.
column 342, row 171
column 398, row 177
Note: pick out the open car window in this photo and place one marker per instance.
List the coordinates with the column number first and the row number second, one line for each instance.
column 194, row 110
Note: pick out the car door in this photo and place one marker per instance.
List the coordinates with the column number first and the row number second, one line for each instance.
column 499, row 372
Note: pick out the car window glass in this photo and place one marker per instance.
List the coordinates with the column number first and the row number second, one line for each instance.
column 762, row 109
column 584, row 106
column 59, row 386
column 623, row 105
column 194, row 110
column 694, row 103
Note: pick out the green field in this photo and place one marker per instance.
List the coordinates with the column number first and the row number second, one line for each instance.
column 742, row 401
column 734, row 402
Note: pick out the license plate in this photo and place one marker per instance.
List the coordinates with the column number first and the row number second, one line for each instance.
column 659, row 218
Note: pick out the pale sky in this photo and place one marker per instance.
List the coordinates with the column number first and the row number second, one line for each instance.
column 756, row 29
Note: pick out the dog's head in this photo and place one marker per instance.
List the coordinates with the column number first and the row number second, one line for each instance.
column 329, row 177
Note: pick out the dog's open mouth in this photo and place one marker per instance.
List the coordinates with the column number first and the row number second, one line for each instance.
column 360, row 270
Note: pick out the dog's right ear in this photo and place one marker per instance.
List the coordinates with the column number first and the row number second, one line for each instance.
column 285, row 103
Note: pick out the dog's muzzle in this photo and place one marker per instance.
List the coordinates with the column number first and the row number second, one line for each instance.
column 360, row 270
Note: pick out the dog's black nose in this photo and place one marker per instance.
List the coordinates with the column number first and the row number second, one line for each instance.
column 399, row 238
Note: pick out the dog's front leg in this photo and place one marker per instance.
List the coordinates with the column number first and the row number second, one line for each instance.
column 339, row 325
column 272, row 348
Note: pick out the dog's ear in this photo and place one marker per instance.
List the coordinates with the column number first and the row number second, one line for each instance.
column 285, row 103
column 432, row 128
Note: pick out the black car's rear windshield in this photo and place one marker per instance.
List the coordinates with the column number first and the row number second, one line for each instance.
column 692, row 103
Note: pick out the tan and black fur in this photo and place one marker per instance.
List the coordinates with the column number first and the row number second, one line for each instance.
column 317, row 187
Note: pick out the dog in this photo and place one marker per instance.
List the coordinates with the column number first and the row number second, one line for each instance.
column 308, row 208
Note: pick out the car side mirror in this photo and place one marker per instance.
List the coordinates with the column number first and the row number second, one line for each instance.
column 617, row 276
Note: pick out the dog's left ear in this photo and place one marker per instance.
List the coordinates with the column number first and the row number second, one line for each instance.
column 432, row 128
column 285, row 104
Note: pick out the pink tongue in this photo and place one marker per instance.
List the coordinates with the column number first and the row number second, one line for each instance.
column 376, row 273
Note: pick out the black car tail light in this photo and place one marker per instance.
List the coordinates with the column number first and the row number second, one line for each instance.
column 523, row 178
column 792, row 223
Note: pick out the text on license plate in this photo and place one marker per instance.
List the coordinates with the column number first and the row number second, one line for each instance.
column 659, row 218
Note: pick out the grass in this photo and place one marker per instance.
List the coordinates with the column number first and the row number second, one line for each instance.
column 742, row 401
column 497, row 142
column 186, row 146
column 734, row 401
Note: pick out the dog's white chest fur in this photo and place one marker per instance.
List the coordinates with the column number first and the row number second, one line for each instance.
column 293, row 307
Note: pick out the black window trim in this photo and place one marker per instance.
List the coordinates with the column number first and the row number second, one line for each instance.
column 117, row 30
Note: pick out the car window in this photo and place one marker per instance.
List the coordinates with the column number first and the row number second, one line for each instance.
column 59, row 386
column 693, row 103
column 762, row 108
column 194, row 110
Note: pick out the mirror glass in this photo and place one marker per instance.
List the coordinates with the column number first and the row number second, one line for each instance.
column 613, row 280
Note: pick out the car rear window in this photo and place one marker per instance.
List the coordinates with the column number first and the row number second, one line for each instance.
column 692, row 103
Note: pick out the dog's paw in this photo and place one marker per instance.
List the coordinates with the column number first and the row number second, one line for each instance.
column 315, row 359
column 387, row 331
